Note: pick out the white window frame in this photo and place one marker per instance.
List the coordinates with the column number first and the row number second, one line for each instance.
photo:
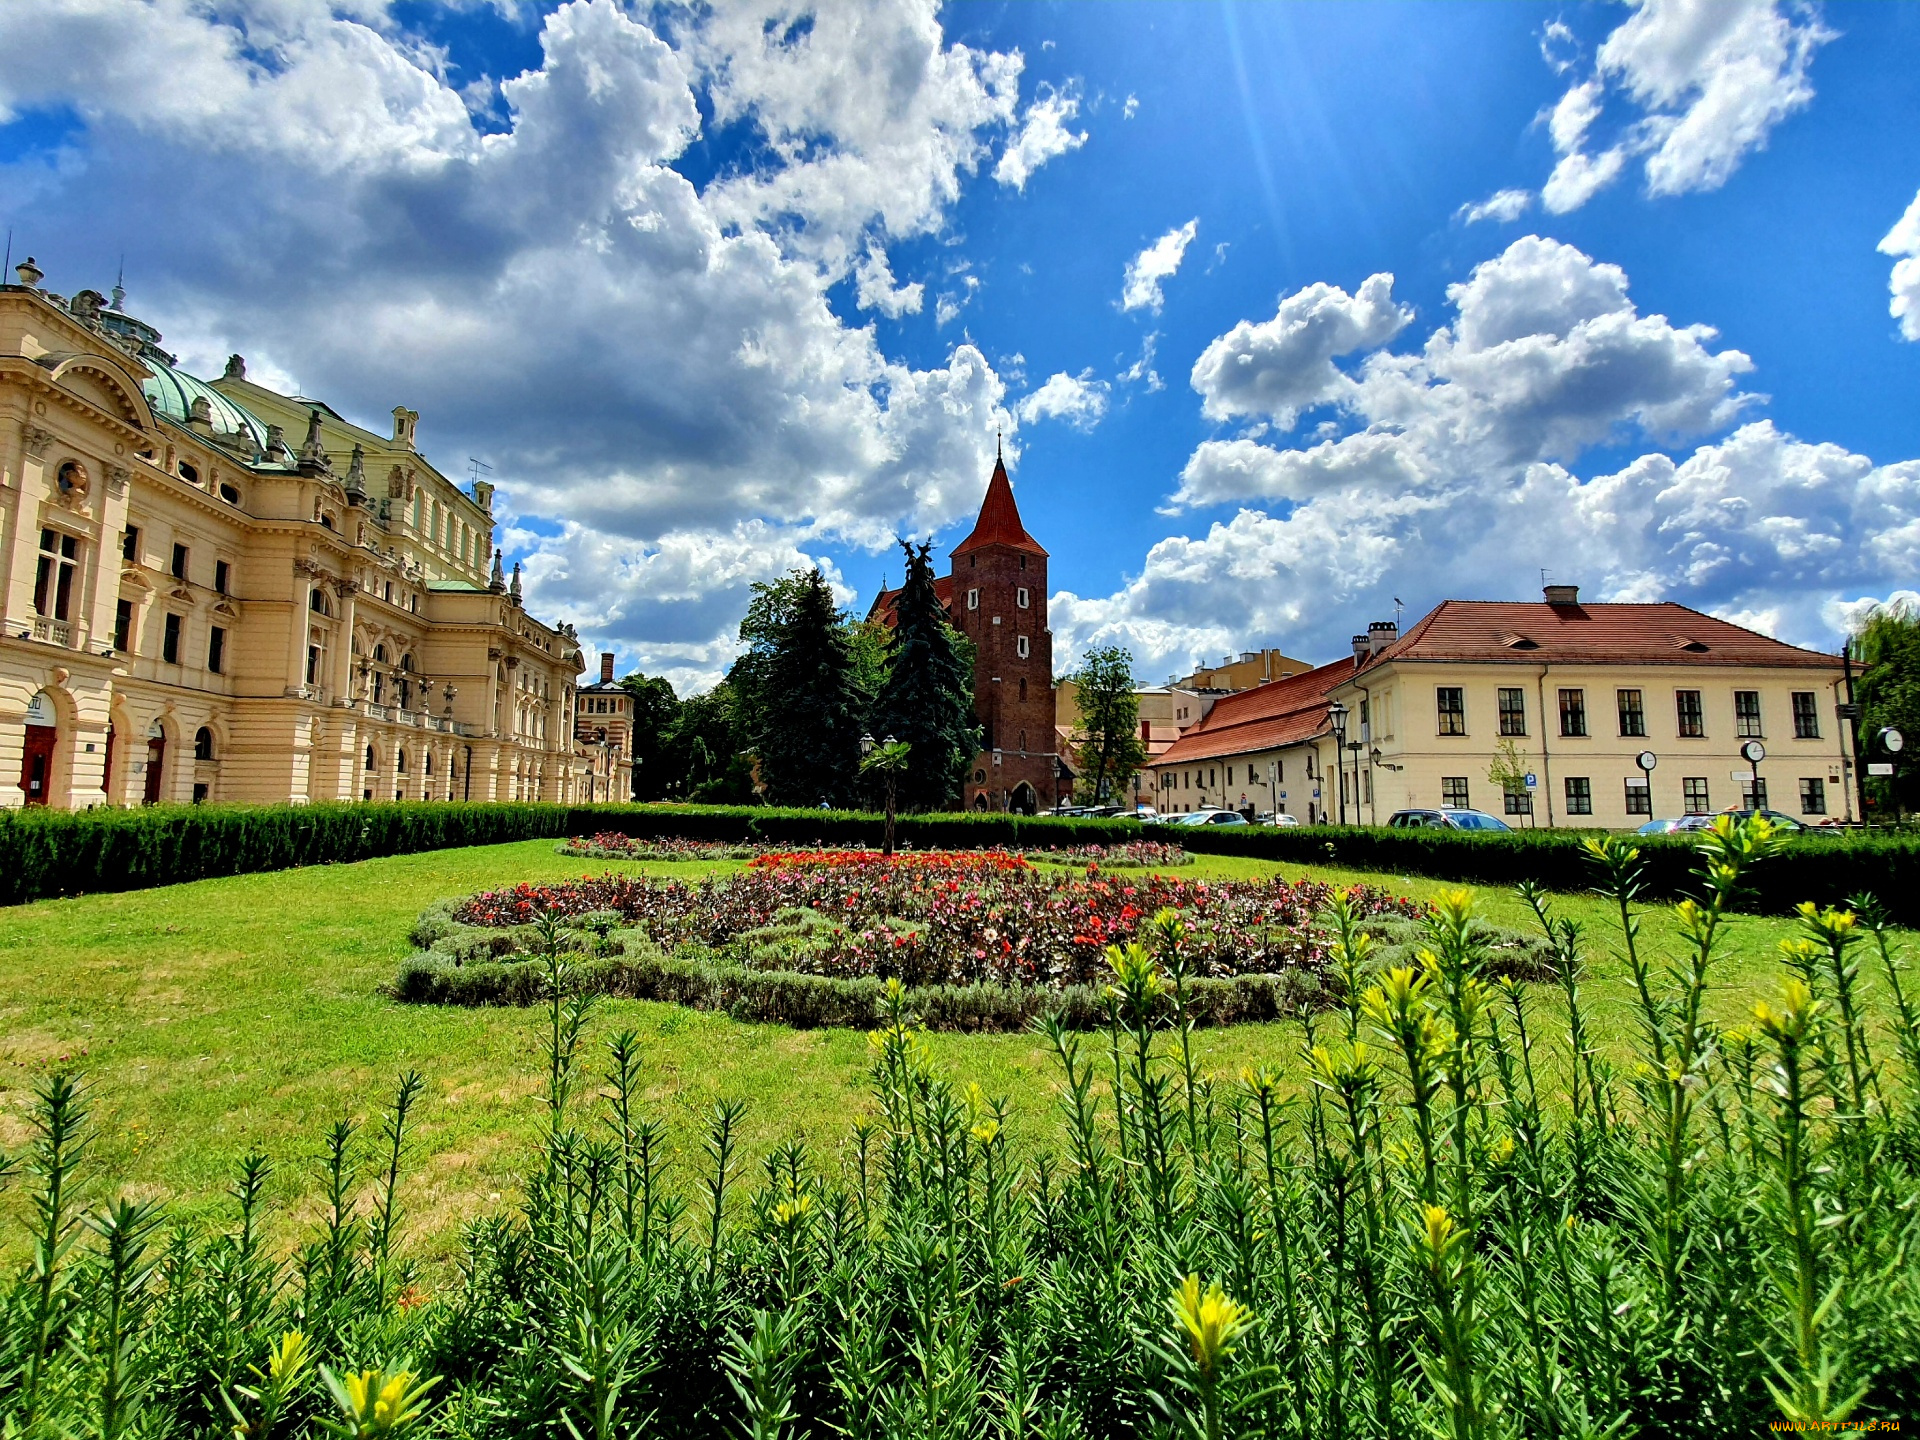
column 973, row 599
column 1020, row 647
column 1021, row 598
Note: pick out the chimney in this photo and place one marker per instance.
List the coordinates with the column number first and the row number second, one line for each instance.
column 1562, row 594
column 1381, row 634
column 606, row 667
column 1360, row 651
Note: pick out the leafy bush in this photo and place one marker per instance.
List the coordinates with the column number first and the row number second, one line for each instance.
column 1469, row 1225
column 50, row 852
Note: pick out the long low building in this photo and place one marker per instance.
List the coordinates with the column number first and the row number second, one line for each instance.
column 214, row 591
column 1539, row 711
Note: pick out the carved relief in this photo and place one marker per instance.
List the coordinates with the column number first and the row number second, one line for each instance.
column 37, row 440
column 118, row 477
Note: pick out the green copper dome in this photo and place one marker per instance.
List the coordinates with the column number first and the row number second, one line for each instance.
column 172, row 392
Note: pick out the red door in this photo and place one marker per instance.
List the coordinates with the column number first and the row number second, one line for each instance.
column 156, row 755
column 36, row 764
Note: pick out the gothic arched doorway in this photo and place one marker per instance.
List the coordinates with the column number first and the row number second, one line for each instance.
column 1023, row 801
column 156, row 761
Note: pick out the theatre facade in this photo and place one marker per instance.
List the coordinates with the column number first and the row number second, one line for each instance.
column 215, row 591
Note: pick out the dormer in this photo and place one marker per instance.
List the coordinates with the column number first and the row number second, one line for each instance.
column 404, row 421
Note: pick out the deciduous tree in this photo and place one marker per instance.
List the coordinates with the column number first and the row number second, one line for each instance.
column 1107, row 748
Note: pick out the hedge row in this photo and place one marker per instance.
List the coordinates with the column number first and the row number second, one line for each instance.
column 46, row 853
column 787, row 997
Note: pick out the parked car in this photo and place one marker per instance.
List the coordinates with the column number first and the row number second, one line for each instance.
column 1211, row 817
column 1445, row 818
column 1781, row 822
column 1277, row 817
column 1661, row 827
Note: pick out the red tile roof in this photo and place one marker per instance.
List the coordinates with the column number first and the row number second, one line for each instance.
column 999, row 522
column 882, row 607
column 1263, row 718
column 1533, row 632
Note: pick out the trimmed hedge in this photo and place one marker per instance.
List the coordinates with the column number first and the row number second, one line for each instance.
column 786, row 997
column 50, row 852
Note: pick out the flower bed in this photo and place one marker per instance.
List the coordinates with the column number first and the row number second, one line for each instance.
column 1133, row 855
column 614, row 845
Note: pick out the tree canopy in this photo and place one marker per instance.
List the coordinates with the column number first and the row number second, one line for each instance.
column 926, row 697
column 797, row 692
column 1888, row 646
column 1107, row 749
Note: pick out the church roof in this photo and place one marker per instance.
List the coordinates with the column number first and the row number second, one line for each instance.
column 999, row 522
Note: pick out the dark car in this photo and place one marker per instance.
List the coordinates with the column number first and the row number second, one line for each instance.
column 1781, row 822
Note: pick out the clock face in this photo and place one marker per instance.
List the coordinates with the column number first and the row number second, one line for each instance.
column 1753, row 752
column 1646, row 760
column 1893, row 740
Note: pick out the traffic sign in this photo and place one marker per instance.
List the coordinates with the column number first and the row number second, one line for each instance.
column 1533, row 781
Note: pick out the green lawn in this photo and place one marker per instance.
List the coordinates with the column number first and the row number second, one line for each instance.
column 227, row 1014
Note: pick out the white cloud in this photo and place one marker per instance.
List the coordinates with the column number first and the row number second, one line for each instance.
column 1142, row 371
column 1450, row 474
column 1284, row 365
column 1044, row 133
column 952, row 302
column 1079, row 400
column 1158, row 263
column 1559, row 47
column 1703, row 84
column 877, row 291
column 650, row 368
column 1131, row 108
column 1904, row 240
column 1504, row 206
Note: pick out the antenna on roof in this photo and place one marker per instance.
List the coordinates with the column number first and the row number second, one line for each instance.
column 120, row 283
column 1397, row 608
column 474, row 467
column 9, row 265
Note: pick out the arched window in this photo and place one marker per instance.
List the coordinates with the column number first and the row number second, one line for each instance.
column 429, row 764
column 380, row 654
column 406, row 662
column 203, row 744
column 369, row 757
column 400, row 762
column 317, row 601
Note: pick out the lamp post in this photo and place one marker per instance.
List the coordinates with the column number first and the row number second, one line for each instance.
column 1753, row 752
column 1646, row 760
column 886, row 756
column 1337, row 718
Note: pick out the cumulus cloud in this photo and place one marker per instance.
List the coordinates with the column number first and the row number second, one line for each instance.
column 1044, row 134
column 876, row 289
column 1701, row 84
column 1155, row 265
column 1284, row 365
column 1504, row 206
column 649, row 366
column 1079, row 400
column 1451, row 469
column 1904, row 240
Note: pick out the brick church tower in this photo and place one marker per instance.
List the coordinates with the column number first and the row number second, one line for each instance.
column 997, row 597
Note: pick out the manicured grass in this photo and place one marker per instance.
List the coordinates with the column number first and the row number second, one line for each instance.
column 247, row 1012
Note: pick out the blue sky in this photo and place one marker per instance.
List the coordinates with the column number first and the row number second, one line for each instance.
column 662, row 279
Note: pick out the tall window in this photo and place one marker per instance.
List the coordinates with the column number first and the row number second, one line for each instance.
column 53, row 581
column 1746, row 714
column 1022, row 598
column 179, row 568
column 1694, row 789
column 973, row 599
column 216, row 649
column 1516, row 798
column 1453, row 791
column 1020, row 646
column 1686, row 708
column 123, row 625
column 1513, row 710
column 1451, row 700
column 1579, row 795
column 313, row 664
column 1753, row 792
column 1813, row 797
column 222, row 573
column 1633, row 713
column 1573, row 712
column 130, row 545
column 1639, row 797
column 1806, row 715
column 170, row 640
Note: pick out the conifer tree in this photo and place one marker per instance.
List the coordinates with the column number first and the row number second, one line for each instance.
column 806, row 732
column 927, row 699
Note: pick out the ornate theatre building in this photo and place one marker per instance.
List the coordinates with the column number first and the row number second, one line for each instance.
column 213, row 591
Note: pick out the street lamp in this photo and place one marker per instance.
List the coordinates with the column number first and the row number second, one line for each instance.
column 1337, row 718
column 885, row 756
column 1753, row 752
column 1646, row 760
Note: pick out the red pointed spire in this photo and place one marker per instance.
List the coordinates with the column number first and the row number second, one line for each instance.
column 999, row 522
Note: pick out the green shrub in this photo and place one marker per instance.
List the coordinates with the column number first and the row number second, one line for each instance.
column 51, row 852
